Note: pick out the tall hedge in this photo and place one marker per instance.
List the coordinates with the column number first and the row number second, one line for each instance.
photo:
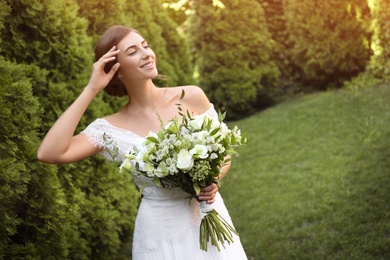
column 102, row 14
column 378, row 70
column 328, row 42
column 234, row 66
column 102, row 202
column 383, row 18
column 34, row 220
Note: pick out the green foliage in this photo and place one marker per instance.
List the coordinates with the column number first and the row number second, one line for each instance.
column 48, row 34
column 4, row 11
column 176, row 46
column 318, row 45
column 381, row 66
column 102, row 14
column 34, row 222
column 177, row 10
column 102, row 203
column 383, row 14
column 314, row 182
column 378, row 70
column 327, row 42
column 234, row 66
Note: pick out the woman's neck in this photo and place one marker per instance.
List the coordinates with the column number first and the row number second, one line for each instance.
column 145, row 97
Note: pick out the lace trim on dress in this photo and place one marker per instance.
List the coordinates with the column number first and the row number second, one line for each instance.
column 118, row 141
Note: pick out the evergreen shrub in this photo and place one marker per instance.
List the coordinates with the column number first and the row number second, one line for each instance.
column 34, row 222
column 233, row 56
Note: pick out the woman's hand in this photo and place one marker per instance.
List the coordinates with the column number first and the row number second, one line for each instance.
column 208, row 193
column 99, row 78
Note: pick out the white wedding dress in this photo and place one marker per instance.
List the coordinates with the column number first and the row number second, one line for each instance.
column 167, row 225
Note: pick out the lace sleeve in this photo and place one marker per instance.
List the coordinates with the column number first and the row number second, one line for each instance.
column 99, row 134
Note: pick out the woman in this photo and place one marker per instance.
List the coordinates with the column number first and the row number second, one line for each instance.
column 167, row 226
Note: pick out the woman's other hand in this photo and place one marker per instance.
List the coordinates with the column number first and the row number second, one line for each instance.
column 208, row 193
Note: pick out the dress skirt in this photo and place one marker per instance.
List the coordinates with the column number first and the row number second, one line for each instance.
column 167, row 228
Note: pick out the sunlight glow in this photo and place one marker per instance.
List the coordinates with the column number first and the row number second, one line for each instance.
column 218, row 4
column 375, row 44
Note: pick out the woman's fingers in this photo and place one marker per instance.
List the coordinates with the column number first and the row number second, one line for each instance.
column 114, row 69
column 208, row 193
column 110, row 55
column 99, row 78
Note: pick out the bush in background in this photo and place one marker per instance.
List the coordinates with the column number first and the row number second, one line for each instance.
column 233, row 56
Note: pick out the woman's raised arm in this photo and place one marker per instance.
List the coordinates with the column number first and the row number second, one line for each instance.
column 60, row 145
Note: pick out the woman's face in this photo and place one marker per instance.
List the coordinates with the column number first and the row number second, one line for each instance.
column 137, row 60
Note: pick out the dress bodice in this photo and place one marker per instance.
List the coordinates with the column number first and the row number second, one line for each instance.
column 116, row 142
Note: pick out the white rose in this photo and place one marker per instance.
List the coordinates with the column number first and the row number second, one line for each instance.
column 185, row 162
column 196, row 122
column 200, row 151
column 143, row 154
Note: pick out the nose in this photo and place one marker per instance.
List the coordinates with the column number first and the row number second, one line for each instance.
column 146, row 53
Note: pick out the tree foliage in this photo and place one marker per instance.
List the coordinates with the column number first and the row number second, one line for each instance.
column 102, row 14
column 383, row 18
column 234, row 66
column 34, row 222
column 178, row 10
column 377, row 71
column 320, row 43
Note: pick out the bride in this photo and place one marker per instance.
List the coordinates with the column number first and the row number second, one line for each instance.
column 167, row 226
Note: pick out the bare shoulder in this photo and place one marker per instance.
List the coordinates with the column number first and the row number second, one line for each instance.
column 194, row 98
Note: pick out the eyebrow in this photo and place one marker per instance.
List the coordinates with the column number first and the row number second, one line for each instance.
column 134, row 46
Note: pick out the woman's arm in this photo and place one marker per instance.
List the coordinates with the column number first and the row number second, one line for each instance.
column 59, row 145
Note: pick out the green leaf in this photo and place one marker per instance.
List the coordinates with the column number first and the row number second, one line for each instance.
column 152, row 139
column 233, row 140
column 196, row 187
column 183, row 93
column 215, row 131
column 157, row 182
column 243, row 138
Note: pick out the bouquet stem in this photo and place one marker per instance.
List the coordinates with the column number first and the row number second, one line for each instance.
column 214, row 226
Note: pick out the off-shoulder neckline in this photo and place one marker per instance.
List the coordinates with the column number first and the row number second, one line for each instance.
column 137, row 135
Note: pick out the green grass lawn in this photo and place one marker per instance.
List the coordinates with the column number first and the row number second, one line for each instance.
column 314, row 183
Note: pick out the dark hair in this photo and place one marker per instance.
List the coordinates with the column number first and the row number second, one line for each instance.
column 111, row 37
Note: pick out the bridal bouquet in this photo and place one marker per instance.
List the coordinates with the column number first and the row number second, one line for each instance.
column 189, row 154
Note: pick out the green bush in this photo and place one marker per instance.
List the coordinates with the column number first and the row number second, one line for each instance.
column 234, row 66
column 378, row 70
column 99, row 204
column 319, row 44
column 34, row 222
